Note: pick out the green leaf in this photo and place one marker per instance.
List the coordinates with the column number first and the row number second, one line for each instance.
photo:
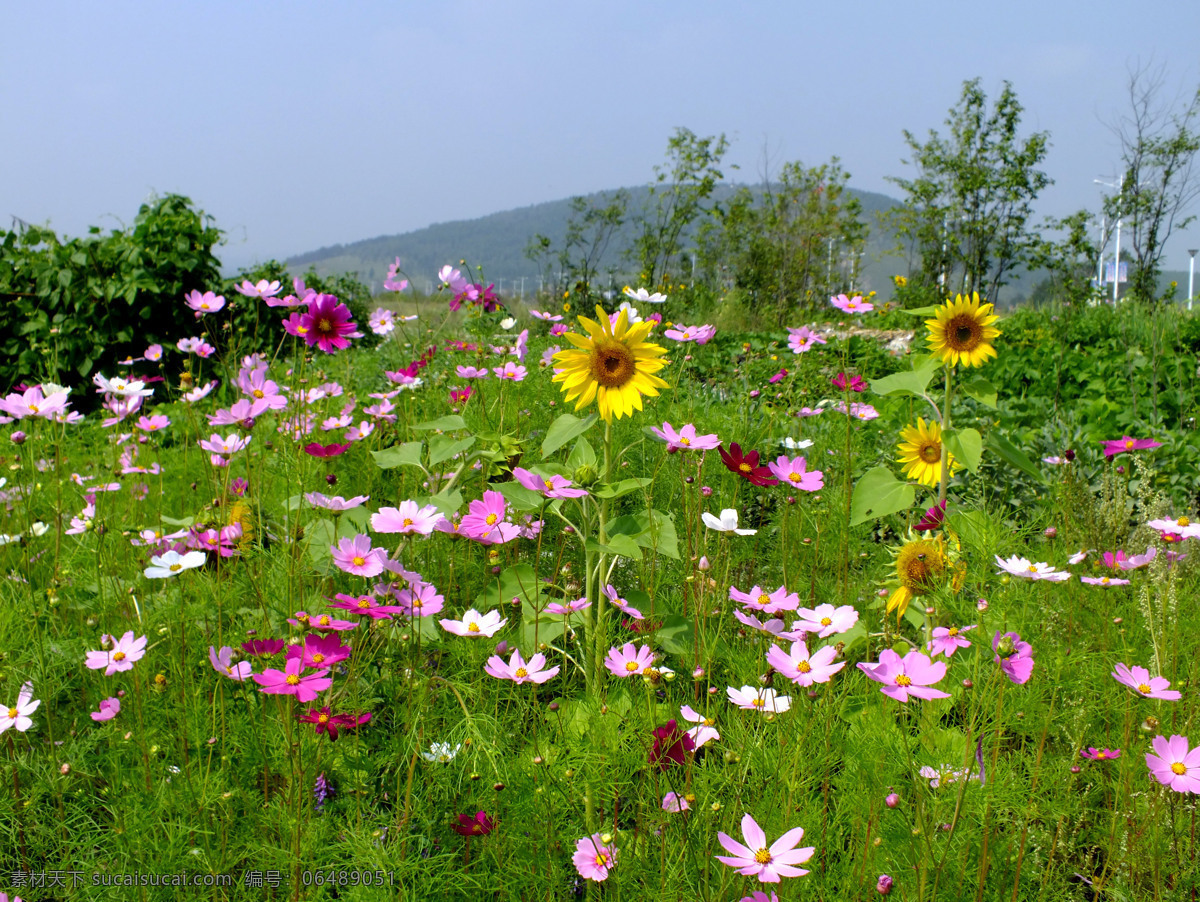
column 622, row 545
column 618, row 489
column 981, row 390
column 406, row 455
column 566, row 428
column 518, row 581
column 518, row 496
column 1013, row 456
column 966, row 445
column 582, row 455
column 443, row 447
column 650, row 529
column 910, row 382
column 445, row 424
column 920, row 311
column 447, row 502
column 878, row 494
column 677, row 635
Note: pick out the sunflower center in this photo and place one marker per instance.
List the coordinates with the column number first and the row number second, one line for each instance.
column 804, row 667
column 520, row 673
column 963, row 333
column 904, row 680
column 1179, row 768
column 762, row 856
column 931, row 452
column 613, row 364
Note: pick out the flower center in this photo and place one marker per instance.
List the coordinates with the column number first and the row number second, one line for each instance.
column 548, row 484
column 12, row 713
column 1179, row 768
column 491, row 519
column 685, row 441
column 407, row 522
column 613, row 364
column 762, row 856
column 764, row 600
column 1129, row 444
column 745, row 467
column 119, row 656
column 904, row 680
column 1183, row 521
column 174, row 568
column 631, row 666
column 759, row 703
column 953, row 631
column 1033, row 568
column 292, row 680
column 323, row 620
column 826, row 621
column 601, row 860
column 322, row 718
column 324, row 325
column 364, row 604
column 258, row 393
column 1100, row 755
column 931, row 452
column 804, row 667
column 472, row 627
column 318, row 658
column 359, row 560
column 1143, row 688
column 963, row 333
column 520, row 673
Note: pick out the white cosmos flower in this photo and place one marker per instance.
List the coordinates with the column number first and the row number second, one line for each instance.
column 507, row 323
column 727, row 523
column 643, row 295
column 441, row 752
column 172, row 563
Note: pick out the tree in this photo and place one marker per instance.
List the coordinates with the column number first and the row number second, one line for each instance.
column 590, row 229
column 967, row 210
column 1159, row 182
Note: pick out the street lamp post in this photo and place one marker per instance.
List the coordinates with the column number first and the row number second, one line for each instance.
column 1191, row 274
column 1120, row 186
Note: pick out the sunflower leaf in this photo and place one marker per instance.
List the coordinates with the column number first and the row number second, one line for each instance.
column 564, row 429
column 981, row 390
column 909, row 382
column 878, row 494
column 1013, row 456
column 966, row 445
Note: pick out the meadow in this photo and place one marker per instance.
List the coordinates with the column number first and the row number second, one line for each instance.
column 580, row 603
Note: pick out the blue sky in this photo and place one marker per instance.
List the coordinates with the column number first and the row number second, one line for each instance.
column 305, row 124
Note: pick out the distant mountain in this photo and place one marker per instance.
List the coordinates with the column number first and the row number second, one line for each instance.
column 497, row 243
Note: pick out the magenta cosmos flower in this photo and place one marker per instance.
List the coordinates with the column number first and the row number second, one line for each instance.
column 947, row 640
column 289, row 681
column 1175, row 765
column 329, row 723
column 1094, row 754
column 854, row 383
column 685, row 439
column 629, row 660
column 1014, row 656
column 322, row 650
column 365, row 606
column 1139, row 680
column 851, row 304
column 552, row 486
column 108, row 709
column 766, row 862
column 593, row 859
column 327, row 323
column 356, row 556
column 910, row 676
column 793, row 473
column 804, row 669
column 825, row 620
column 478, row 824
column 408, row 518
column 518, row 670
column 802, row 339
column 1128, row 443
column 121, row 656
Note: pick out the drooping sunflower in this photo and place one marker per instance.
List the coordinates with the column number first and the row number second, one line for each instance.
column 921, row 453
column 963, row 331
column 613, row 364
column 921, row 568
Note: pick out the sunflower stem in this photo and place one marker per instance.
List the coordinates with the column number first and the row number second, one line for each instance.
column 945, row 475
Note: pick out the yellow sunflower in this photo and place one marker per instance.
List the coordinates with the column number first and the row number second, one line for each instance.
column 963, row 331
column 612, row 364
column 921, row 566
column 921, row 453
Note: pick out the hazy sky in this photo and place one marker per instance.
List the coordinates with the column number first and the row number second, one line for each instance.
column 298, row 125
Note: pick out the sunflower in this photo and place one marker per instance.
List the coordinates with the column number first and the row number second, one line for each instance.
column 921, row 567
column 921, row 453
column 613, row 364
column 963, row 331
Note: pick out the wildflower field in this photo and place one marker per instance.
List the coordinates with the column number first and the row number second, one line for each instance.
column 591, row 603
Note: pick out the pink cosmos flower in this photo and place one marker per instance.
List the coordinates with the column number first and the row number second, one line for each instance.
column 197, row 346
column 825, row 620
column 802, row 339
column 701, row 335
column 260, row 289
column 335, row 502
column 552, row 486
column 623, row 605
column 802, row 668
column 763, row 700
column 1175, row 765
column 152, row 424
column 356, row 556
column 757, row 859
column 559, row 329
column 858, row 411
column 421, row 599
column 484, row 516
column 510, row 371
column 1138, row 561
column 382, row 321
column 518, row 670
column 593, row 859
column 773, row 627
column 1014, row 656
column 578, row 604
column 675, row 803
column 222, row 662
column 1185, row 527
column 778, row 377
column 685, row 439
column 1127, row 443
column 320, row 650
column 851, row 305
column 475, row 625
column 321, row 622
column 390, row 282
column 757, row 599
column 792, row 473
column 548, row 317
column 1139, row 680
column 947, row 640
column 704, row 731
column 327, row 324
column 121, row 656
column 17, row 717
column 1022, row 567
column 364, row 606
column 241, row 412
column 629, row 660
column 1094, row 754
column 1103, row 581
column 289, row 681
column 224, row 446
column 204, row 303
column 108, row 709
column 910, row 676
column 407, row 518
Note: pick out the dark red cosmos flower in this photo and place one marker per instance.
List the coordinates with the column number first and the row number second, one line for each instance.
column 263, row 648
column 854, row 383
column 933, row 517
column 478, row 824
column 330, row 723
column 671, row 744
column 316, row 449
column 746, row 465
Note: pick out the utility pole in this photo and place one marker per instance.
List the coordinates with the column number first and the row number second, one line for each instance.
column 1191, row 274
column 1103, row 242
